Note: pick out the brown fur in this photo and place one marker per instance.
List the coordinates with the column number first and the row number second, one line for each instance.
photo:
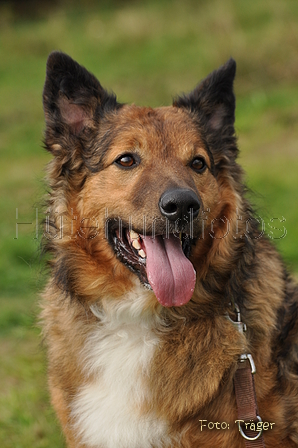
column 191, row 374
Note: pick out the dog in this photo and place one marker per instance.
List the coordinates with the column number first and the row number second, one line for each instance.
column 165, row 296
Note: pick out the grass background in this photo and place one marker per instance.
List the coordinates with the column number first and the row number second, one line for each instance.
column 146, row 52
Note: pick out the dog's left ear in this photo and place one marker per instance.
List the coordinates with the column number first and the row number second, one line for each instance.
column 213, row 100
column 73, row 98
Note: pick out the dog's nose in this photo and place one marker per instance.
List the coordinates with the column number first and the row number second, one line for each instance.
column 178, row 203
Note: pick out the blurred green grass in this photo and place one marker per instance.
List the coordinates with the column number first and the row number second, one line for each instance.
column 147, row 53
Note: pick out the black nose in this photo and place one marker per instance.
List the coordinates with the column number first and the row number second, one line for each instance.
column 179, row 203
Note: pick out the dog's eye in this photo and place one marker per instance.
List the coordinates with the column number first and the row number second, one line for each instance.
column 126, row 161
column 198, row 164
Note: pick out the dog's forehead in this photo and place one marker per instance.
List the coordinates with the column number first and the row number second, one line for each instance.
column 165, row 126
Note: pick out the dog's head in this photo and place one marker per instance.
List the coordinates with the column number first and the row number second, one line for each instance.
column 152, row 190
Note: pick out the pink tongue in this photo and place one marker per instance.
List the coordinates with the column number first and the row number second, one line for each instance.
column 170, row 274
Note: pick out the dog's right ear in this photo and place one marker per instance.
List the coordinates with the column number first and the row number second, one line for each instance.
column 73, row 98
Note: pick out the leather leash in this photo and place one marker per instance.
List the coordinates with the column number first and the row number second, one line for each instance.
column 249, row 422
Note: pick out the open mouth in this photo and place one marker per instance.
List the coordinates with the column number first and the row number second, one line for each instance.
column 161, row 263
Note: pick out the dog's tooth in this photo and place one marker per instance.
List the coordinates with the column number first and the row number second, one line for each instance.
column 133, row 235
column 142, row 253
column 180, row 236
column 136, row 244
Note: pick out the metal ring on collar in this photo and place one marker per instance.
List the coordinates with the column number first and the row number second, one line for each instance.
column 251, row 438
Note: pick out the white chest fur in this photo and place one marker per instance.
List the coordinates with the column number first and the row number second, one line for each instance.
column 108, row 410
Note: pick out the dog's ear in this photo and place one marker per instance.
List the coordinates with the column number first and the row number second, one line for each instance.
column 73, row 98
column 213, row 99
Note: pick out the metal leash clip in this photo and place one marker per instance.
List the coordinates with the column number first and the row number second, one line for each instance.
column 241, row 327
column 247, row 437
column 248, row 357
